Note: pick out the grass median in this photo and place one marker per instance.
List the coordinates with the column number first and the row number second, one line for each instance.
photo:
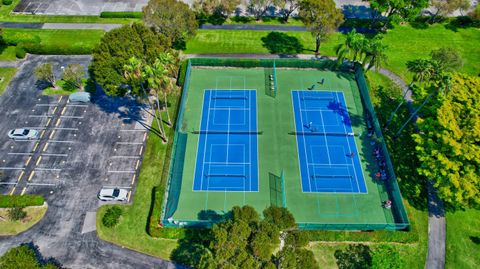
column 131, row 232
column 463, row 239
column 34, row 215
column 6, row 75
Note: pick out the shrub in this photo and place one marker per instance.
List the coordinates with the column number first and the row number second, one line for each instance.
column 121, row 14
column 112, row 216
column 7, row 2
column 182, row 73
column 16, row 213
column 7, row 201
column 20, row 52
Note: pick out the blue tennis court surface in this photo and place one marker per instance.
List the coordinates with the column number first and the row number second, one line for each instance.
column 227, row 158
column 327, row 151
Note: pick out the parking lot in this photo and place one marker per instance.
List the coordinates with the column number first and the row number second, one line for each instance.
column 82, row 147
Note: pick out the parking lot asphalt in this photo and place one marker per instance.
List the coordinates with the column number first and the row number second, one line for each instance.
column 82, row 147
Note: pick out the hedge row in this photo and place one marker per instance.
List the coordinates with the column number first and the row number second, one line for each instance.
column 7, row 201
column 182, row 73
column 33, row 44
column 121, row 14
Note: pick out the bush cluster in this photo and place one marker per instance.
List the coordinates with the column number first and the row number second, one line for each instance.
column 7, row 2
column 20, row 52
column 8, row 201
column 16, row 213
column 112, row 216
column 121, row 14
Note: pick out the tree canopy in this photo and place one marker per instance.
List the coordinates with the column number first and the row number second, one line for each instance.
column 25, row 256
column 448, row 145
column 173, row 19
column 116, row 48
column 321, row 18
column 246, row 241
column 397, row 10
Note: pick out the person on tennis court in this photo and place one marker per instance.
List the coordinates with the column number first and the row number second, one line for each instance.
column 387, row 204
column 352, row 154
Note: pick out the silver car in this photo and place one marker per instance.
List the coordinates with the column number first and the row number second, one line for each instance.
column 112, row 194
column 23, row 134
column 82, row 97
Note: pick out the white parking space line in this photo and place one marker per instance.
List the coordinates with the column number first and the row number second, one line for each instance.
column 8, row 183
column 73, row 105
column 124, row 157
column 20, row 153
column 12, row 168
column 27, row 140
column 60, row 141
column 48, row 169
column 72, row 117
column 121, row 171
column 65, row 129
column 54, row 155
column 129, row 143
column 45, row 105
column 120, row 187
column 41, row 184
column 132, row 130
column 40, row 116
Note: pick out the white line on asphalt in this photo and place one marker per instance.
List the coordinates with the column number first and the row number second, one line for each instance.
column 60, row 141
column 20, row 153
column 45, row 104
column 124, row 157
column 121, row 171
column 108, row 186
column 12, row 168
column 129, row 143
column 41, row 184
column 8, row 183
column 78, row 105
column 40, row 116
column 72, row 117
column 133, row 130
column 47, row 169
column 54, row 155
column 66, row 129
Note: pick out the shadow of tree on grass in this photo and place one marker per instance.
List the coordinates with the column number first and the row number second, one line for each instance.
column 281, row 43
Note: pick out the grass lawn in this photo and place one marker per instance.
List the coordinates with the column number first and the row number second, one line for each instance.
column 405, row 43
column 131, row 231
column 264, row 21
column 463, row 239
column 7, row 16
column 6, row 74
column 34, row 215
column 7, row 53
column 54, row 41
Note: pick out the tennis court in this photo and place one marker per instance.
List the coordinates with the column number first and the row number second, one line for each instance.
column 227, row 151
column 261, row 135
column 327, row 151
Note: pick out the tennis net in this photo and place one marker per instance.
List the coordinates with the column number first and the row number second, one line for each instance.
column 228, row 132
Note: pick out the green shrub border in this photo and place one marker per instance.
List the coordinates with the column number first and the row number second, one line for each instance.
column 122, row 14
column 9, row 201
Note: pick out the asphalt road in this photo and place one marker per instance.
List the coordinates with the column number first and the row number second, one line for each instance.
column 83, row 147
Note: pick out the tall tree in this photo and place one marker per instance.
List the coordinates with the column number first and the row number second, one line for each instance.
column 216, row 7
column 449, row 59
column 448, row 143
column 73, row 75
column 396, row 10
column 321, row 17
column 44, row 72
column 172, row 18
column 115, row 50
column 134, row 74
column 287, row 8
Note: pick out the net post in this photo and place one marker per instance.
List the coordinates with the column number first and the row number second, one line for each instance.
column 282, row 188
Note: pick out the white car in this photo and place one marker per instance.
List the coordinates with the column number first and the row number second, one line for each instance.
column 23, row 133
column 112, row 194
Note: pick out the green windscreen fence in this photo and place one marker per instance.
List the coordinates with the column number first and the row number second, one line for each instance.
column 399, row 212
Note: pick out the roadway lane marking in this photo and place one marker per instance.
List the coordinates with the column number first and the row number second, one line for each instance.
column 38, row 160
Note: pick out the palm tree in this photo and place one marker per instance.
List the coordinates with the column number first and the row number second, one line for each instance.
column 352, row 48
column 157, row 76
column 170, row 63
column 133, row 72
column 375, row 54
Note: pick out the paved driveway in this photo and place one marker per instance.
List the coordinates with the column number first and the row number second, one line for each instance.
column 82, row 148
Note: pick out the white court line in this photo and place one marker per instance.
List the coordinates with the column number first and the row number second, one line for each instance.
column 206, row 137
column 20, row 153
column 226, row 163
column 303, row 137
